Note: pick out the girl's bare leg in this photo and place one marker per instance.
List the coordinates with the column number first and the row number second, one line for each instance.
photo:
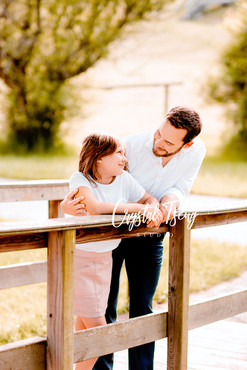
column 82, row 323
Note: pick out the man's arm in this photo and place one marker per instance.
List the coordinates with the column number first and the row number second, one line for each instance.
column 73, row 206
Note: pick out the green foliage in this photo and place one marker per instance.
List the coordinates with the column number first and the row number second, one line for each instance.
column 42, row 46
column 230, row 88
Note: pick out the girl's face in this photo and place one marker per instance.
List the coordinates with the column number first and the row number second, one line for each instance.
column 113, row 164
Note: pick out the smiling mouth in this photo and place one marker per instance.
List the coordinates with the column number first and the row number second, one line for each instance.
column 160, row 149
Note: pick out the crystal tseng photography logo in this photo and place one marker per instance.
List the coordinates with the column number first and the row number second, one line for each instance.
column 135, row 219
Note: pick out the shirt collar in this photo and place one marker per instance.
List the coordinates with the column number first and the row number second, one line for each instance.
column 149, row 145
column 149, row 142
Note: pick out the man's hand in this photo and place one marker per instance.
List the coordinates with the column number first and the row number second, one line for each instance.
column 73, row 206
column 154, row 216
column 168, row 207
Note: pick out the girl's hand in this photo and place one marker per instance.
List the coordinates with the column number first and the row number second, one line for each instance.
column 73, row 206
column 154, row 216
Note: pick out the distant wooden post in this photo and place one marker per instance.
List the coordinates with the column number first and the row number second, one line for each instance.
column 60, row 293
column 178, row 296
column 55, row 210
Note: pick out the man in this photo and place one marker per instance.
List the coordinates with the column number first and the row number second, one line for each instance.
column 165, row 164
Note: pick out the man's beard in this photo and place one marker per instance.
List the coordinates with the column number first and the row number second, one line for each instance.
column 166, row 154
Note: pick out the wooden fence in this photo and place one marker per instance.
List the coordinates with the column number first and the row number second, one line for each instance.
column 63, row 347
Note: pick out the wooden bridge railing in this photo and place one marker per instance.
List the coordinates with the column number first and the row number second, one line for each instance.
column 63, row 347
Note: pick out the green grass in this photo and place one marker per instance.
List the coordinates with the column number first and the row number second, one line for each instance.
column 23, row 309
column 36, row 167
column 213, row 173
column 222, row 178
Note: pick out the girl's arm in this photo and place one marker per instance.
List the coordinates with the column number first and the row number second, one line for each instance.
column 95, row 207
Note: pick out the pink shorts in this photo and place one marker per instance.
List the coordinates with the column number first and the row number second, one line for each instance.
column 92, row 282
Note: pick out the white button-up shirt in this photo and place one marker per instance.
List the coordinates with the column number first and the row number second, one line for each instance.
column 176, row 177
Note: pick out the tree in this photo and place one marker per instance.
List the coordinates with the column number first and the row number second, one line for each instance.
column 230, row 87
column 45, row 43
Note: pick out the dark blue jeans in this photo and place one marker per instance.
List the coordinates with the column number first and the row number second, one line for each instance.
column 143, row 259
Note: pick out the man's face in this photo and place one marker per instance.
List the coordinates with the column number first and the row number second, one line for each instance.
column 168, row 140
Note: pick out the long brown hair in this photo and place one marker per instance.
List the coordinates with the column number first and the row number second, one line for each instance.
column 94, row 147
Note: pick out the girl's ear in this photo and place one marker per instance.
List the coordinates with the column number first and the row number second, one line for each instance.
column 186, row 146
column 99, row 161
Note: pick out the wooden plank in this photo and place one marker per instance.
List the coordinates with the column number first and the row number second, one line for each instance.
column 219, row 219
column 68, row 299
column 28, row 354
column 116, row 337
column 7, row 228
column 54, row 208
column 11, row 243
column 89, row 224
column 219, row 308
column 178, row 295
column 60, row 288
column 14, row 242
column 56, row 224
column 22, row 274
column 34, row 190
column 109, row 232
column 110, row 338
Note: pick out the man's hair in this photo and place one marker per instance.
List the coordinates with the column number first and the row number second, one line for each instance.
column 94, row 147
column 185, row 118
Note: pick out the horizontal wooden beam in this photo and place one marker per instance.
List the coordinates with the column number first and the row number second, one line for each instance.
column 208, row 220
column 23, row 274
column 219, row 308
column 12, row 243
column 30, row 354
column 109, row 232
column 119, row 336
column 34, row 190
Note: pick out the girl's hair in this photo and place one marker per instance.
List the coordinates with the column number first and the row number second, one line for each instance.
column 94, row 147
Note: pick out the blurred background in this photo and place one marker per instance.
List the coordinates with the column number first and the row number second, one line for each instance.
column 70, row 68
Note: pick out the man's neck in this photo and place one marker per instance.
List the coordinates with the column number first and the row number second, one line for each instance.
column 165, row 160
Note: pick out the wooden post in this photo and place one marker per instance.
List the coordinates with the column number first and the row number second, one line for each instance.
column 60, row 295
column 178, row 296
column 166, row 98
column 55, row 210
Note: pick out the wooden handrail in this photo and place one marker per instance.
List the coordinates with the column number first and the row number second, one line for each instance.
column 62, row 347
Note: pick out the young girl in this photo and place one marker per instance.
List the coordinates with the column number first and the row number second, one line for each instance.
column 106, row 187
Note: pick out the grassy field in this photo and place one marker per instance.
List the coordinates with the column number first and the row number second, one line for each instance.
column 213, row 173
column 211, row 263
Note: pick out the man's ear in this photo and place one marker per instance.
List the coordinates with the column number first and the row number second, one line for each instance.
column 187, row 145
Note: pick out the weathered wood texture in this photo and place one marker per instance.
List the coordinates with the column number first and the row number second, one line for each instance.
column 60, row 288
column 58, row 234
column 216, row 309
column 22, row 274
column 115, row 337
column 178, row 295
column 26, row 354
column 118, row 336
column 221, row 218
column 34, row 190
column 11, row 243
column 54, row 209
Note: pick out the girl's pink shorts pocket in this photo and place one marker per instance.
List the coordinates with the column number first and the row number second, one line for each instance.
column 92, row 282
